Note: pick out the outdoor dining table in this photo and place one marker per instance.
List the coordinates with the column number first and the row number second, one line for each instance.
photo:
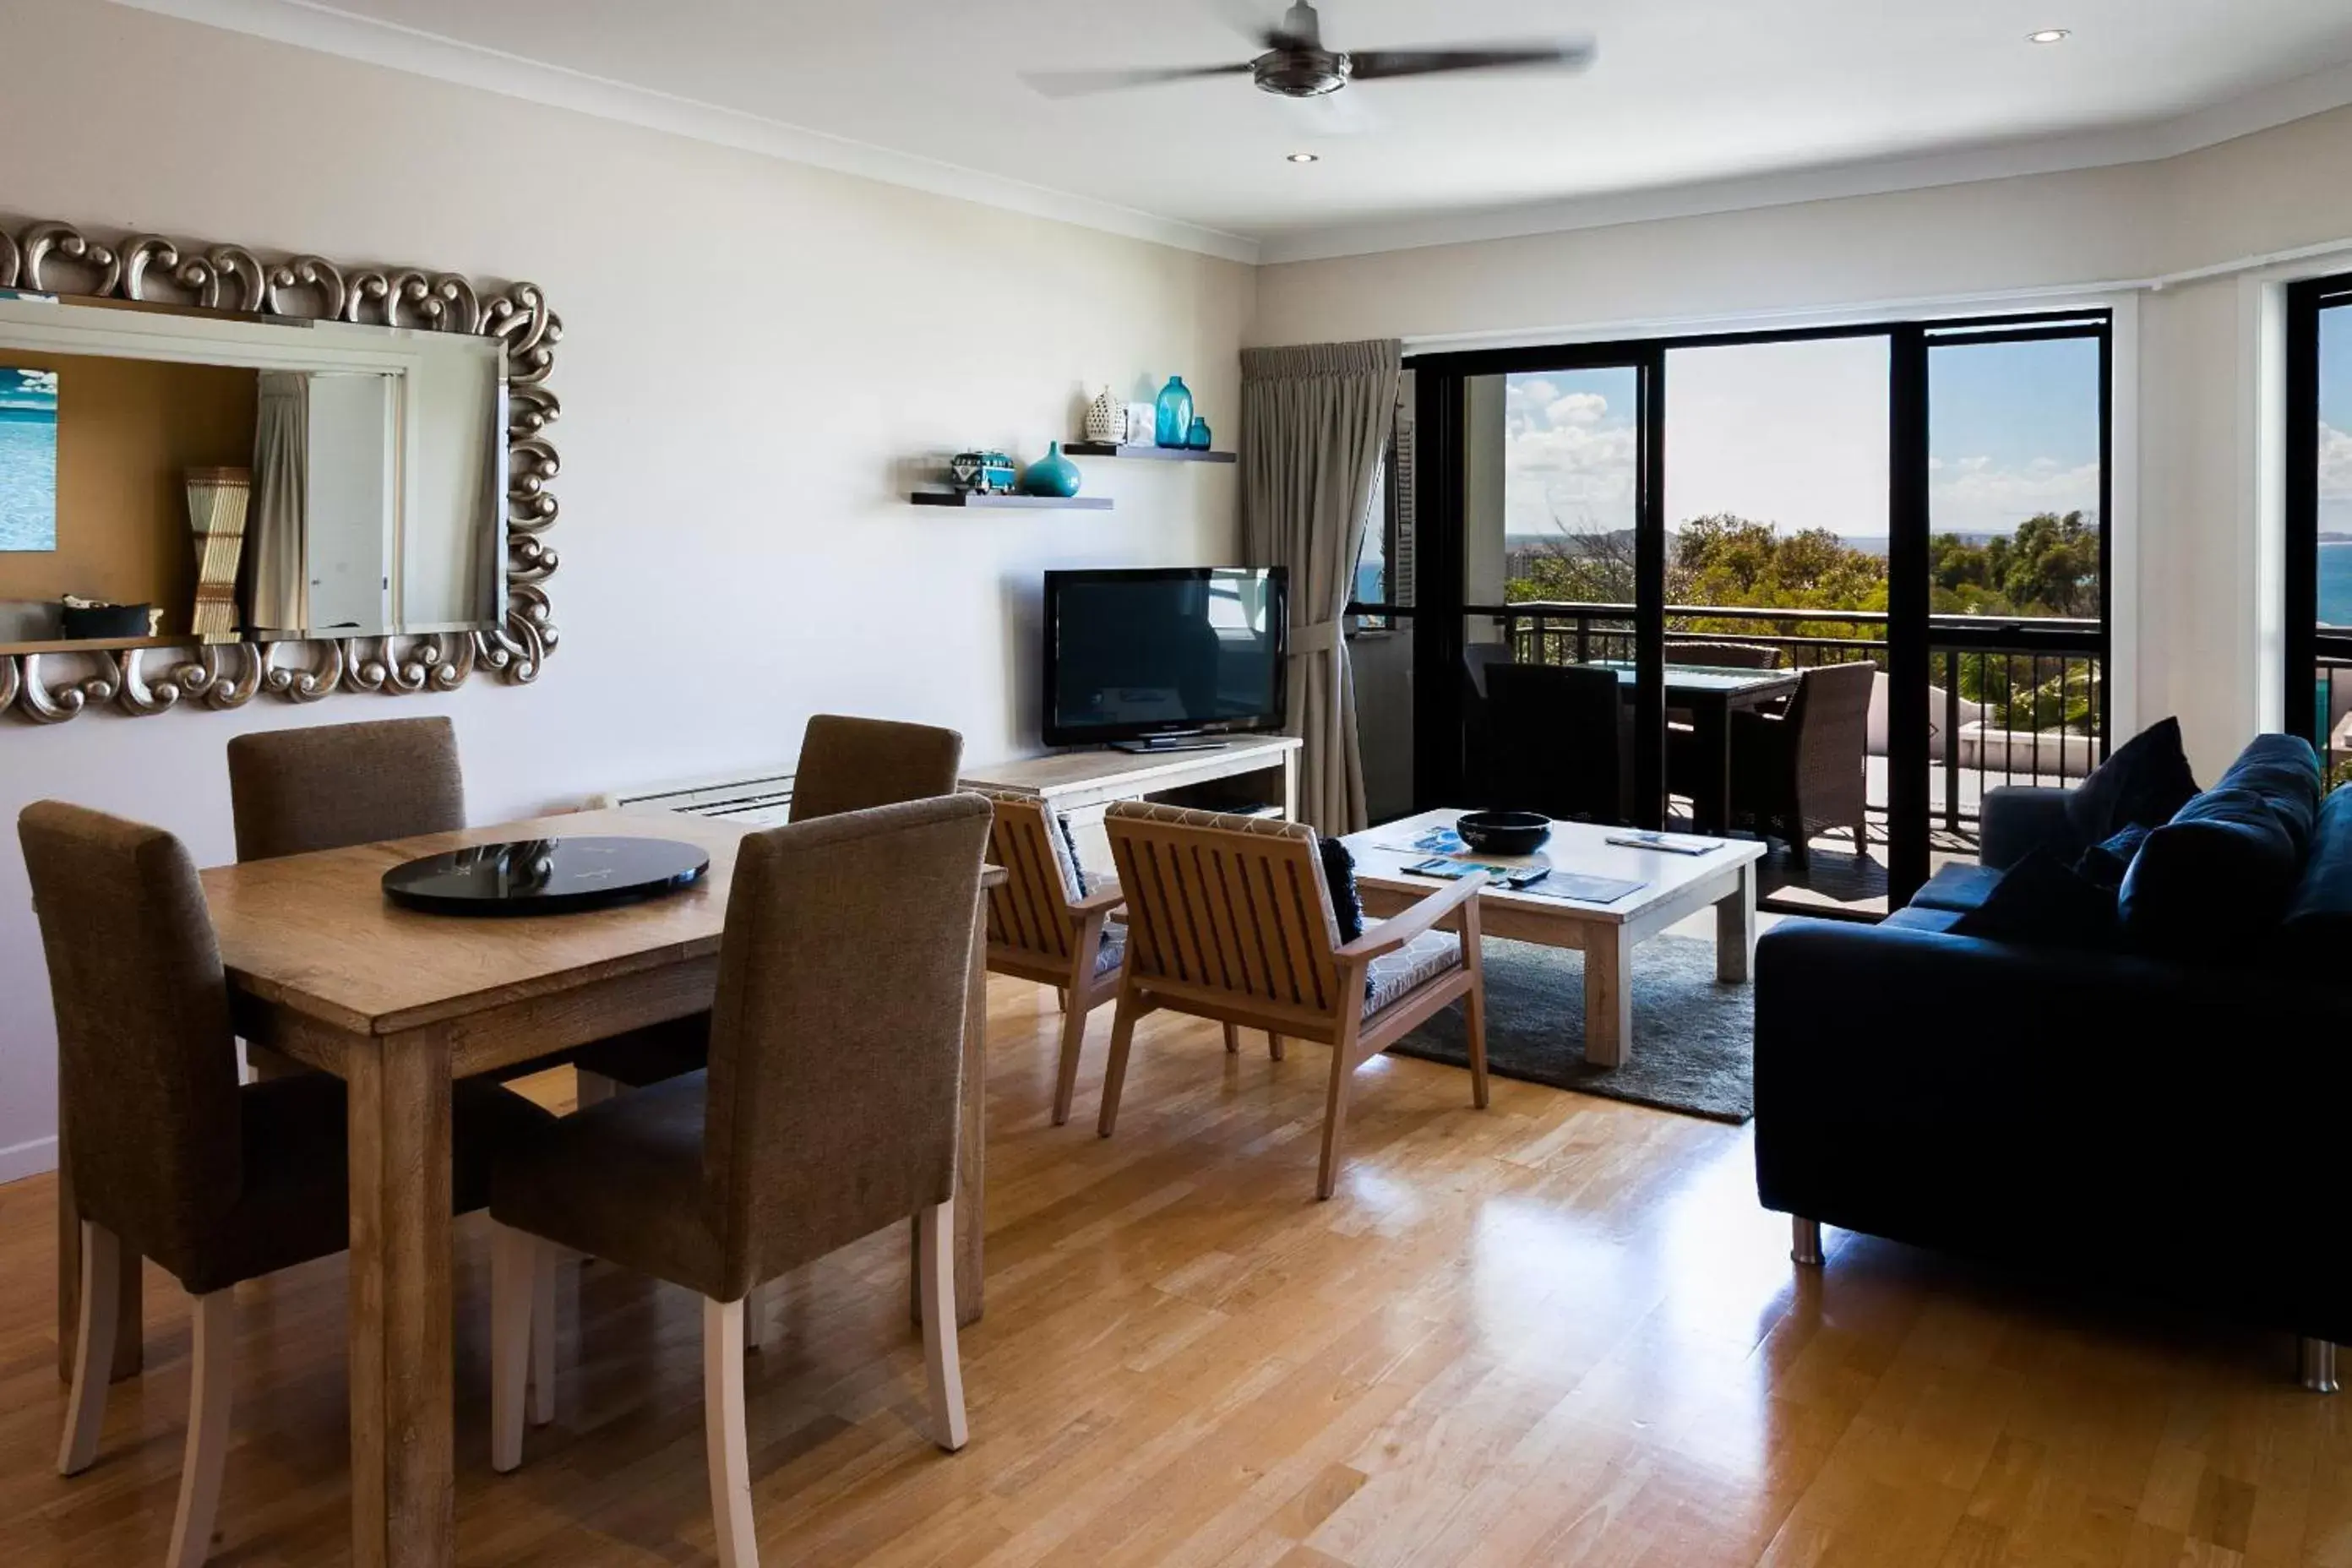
column 399, row 1004
column 1710, row 695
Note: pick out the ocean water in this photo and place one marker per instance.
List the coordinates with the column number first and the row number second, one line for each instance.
column 29, row 483
column 2335, row 584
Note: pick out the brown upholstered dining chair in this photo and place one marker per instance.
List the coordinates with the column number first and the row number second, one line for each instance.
column 851, row 764
column 168, row 1157
column 830, row 1110
column 1801, row 771
column 294, row 792
column 1229, row 918
column 1044, row 925
column 847, row 764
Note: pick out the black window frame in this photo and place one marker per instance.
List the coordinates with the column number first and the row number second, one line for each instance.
column 2306, row 645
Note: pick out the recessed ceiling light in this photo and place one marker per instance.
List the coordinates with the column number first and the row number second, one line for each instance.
column 2049, row 36
column 1304, row 157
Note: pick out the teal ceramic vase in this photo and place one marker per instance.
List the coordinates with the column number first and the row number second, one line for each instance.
column 1052, row 475
column 1173, row 426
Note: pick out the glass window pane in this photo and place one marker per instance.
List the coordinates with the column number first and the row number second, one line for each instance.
column 2013, row 478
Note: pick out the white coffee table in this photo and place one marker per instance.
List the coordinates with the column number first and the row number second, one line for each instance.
column 1673, row 886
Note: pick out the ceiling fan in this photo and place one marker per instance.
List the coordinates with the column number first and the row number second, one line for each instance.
column 1296, row 64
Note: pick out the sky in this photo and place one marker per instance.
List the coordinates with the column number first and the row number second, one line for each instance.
column 2335, row 419
column 1795, row 434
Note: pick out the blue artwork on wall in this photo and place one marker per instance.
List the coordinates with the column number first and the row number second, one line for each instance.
column 28, row 459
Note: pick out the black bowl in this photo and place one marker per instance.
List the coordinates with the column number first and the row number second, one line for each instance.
column 1504, row 832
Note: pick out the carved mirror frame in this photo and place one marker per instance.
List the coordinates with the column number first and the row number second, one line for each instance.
column 57, row 259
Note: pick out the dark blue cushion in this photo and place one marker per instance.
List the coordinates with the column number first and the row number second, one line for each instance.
column 2284, row 771
column 2213, row 882
column 2042, row 901
column 2144, row 781
column 2319, row 917
column 2106, row 863
column 1339, row 877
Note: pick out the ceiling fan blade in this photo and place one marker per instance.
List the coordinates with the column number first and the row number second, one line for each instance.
column 1372, row 65
column 1080, row 84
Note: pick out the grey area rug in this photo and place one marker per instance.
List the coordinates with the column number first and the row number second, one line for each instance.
column 1693, row 1038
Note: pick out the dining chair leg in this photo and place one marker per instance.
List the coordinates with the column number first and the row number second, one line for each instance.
column 1065, row 1076
column 726, row 1442
column 1233, row 1040
column 101, row 1276
column 941, row 1359
column 1473, row 1004
column 759, row 1308
column 513, row 1287
column 541, row 1396
column 1274, row 1045
column 1122, row 1039
column 1335, row 1117
column 212, row 1358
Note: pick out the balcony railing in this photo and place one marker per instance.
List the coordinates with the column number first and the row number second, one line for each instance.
column 2011, row 701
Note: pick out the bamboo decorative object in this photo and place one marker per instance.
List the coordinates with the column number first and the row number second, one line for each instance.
column 216, row 503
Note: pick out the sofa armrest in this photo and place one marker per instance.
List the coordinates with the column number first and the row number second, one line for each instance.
column 2018, row 819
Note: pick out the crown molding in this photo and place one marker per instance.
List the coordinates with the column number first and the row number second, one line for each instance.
column 2143, row 142
column 323, row 29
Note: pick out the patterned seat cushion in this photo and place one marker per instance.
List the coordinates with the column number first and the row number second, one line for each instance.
column 1113, row 951
column 1394, row 974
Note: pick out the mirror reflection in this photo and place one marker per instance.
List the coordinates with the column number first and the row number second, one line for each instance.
column 167, row 476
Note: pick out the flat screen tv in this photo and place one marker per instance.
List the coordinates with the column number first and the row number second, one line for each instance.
column 1157, row 657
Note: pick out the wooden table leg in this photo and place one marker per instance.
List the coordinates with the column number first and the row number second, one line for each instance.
column 1608, row 996
column 402, row 1334
column 1735, row 929
column 971, row 1165
column 129, row 1351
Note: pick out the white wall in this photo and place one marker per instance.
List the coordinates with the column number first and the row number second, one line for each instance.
column 2194, row 568
column 754, row 353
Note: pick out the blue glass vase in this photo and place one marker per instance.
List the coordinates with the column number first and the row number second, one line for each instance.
column 1052, row 475
column 1172, row 426
column 1197, row 437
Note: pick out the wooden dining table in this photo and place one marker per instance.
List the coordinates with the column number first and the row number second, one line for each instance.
column 400, row 1005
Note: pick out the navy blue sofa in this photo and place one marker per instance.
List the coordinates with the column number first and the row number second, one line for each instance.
column 2156, row 1118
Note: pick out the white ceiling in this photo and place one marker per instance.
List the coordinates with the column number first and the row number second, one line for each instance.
column 1685, row 93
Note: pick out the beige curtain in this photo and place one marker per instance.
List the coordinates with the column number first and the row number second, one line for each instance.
column 1315, row 425
column 274, row 586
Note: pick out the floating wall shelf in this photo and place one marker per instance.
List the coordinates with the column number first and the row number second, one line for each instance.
column 1158, row 453
column 974, row 498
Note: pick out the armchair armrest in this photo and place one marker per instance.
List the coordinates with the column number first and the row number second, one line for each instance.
column 2017, row 819
column 1397, row 931
column 1109, row 899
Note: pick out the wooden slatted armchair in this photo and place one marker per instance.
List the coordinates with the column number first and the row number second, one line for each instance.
column 1043, row 925
column 1229, row 918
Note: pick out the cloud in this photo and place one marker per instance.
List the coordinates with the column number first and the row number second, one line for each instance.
column 1569, row 460
column 2335, row 463
column 1578, row 408
column 1977, row 494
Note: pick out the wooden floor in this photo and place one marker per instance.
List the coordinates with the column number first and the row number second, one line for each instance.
column 1558, row 1331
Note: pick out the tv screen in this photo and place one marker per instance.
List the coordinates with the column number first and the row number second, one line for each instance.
column 1131, row 655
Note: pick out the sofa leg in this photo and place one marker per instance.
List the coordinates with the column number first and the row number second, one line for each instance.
column 2319, row 1365
column 1804, row 1241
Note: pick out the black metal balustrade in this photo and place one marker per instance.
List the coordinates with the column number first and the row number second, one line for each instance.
column 2016, row 700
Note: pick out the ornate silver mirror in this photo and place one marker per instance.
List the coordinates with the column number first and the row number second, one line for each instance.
column 338, row 477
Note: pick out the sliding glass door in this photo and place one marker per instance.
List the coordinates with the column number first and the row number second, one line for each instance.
column 1847, row 580
column 1541, row 593
column 2318, row 575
